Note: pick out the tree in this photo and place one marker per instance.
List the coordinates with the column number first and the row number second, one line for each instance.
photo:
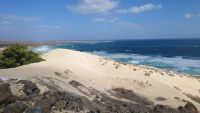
column 17, row 55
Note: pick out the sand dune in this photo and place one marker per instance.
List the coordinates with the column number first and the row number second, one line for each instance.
column 102, row 74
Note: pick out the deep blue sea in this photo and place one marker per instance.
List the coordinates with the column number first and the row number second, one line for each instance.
column 180, row 55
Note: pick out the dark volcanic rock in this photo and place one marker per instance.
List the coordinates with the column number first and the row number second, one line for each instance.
column 39, row 109
column 52, row 100
column 17, row 107
column 60, row 105
column 76, row 105
column 59, row 95
column 159, row 108
column 43, row 103
column 191, row 108
column 30, row 88
column 182, row 109
column 164, row 109
column 21, row 97
column 59, row 100
column 6, row 95
column 130, row 95
column 41, row 106
column 70, row 97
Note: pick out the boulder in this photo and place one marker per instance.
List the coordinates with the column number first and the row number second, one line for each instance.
column 30, row 88
column 191, row 108
column 17, row 107
column 6, row 96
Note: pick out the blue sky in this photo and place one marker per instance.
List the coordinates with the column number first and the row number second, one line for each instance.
column 98, row 19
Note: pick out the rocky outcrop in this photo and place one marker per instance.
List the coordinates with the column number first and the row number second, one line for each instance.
column 30, row 89
column 63, row 101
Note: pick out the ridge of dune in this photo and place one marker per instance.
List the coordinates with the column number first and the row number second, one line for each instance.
column 102, row 74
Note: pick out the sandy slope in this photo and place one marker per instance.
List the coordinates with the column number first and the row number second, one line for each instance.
column 62, row 66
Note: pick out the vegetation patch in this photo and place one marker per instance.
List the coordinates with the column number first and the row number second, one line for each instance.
column 18, row 55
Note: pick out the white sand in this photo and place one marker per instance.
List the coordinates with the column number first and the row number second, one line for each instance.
column 62, row 66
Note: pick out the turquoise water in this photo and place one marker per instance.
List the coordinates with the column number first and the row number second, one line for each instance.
column 176, row 55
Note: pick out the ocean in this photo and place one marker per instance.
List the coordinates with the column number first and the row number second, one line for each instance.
column 179, row 55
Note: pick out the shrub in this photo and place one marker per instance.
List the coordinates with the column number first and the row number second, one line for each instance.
column 17, row 55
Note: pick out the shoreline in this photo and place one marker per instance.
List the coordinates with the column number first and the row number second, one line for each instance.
column 145, row 66
column 104, row 75
column 41, row 43
column 33, row 45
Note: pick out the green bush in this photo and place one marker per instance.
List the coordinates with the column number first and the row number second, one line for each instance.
column 17, row 55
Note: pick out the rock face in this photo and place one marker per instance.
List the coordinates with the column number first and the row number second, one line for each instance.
column 58, row 101
column 17, row 107
column 6, row 96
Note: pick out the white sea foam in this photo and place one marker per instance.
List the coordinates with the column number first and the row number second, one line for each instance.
column 42, row 49
column 180, row 64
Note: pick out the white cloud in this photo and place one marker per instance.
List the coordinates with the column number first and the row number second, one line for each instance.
column 99, row 20
column 188, row 15
column 116, row 21
column 18, row 18
column 140, row 9
column 111, row 20
column 191, row 15
column 94, row 6
column 52, row 27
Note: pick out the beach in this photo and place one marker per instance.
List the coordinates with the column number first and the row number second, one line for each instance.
column 62, row 66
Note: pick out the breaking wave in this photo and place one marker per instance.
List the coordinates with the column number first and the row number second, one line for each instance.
column 178, row 64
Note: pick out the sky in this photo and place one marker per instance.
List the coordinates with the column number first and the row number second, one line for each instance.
column 43, row 20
